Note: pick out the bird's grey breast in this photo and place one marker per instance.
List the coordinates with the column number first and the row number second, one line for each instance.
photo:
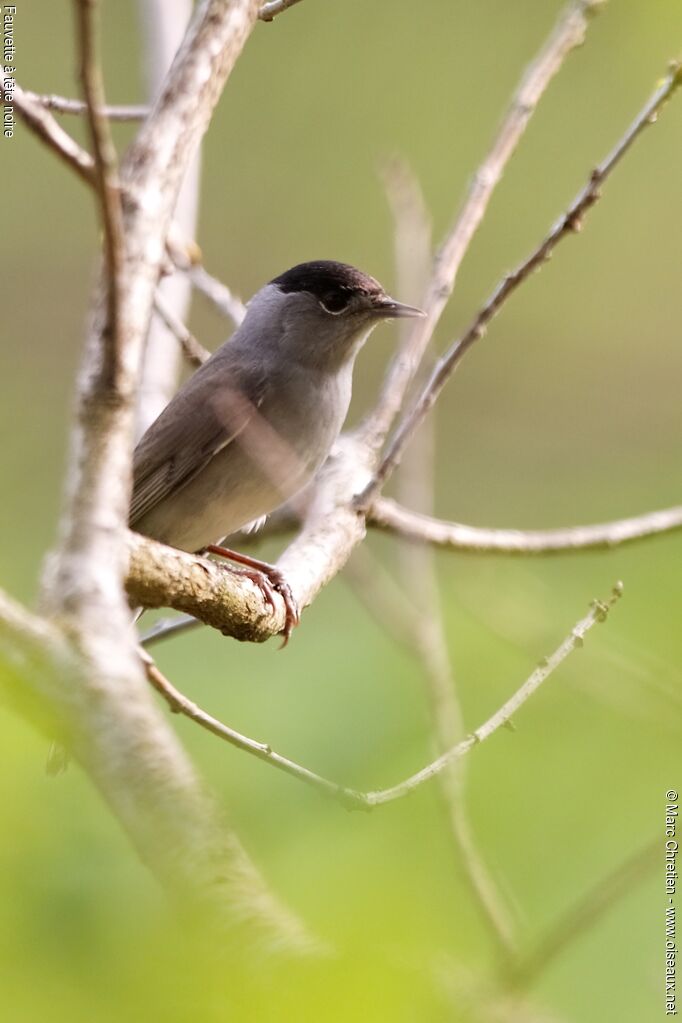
column 307, row 407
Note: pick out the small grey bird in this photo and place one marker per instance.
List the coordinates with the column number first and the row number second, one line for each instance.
column 252, row 426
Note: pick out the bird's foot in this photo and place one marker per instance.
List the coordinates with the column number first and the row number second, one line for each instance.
column 269, row 579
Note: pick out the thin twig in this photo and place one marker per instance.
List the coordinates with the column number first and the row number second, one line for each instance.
column 179, row 704
column 598, row 613
column 106, row 177
column 167, row 627
column 185, row 255
column 583, row 915
column 388, row 515
column 65, row 105
column 194, row 351
column 271, row 9
column 218, row 294
column 567, row 34
column 569, row 223
column 352, row 798
column 50, row 132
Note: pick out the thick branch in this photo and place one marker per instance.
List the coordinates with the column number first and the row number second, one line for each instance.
column 160, row 576
column 163, row 577
column 569, row 223
column 212, row 592
column 144, row 775
column 109, row 718
column 388, row 515
column 92, row 553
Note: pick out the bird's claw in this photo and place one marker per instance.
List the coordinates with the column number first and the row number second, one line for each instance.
column 291, row 610
column 269, row 580
column 272, row 581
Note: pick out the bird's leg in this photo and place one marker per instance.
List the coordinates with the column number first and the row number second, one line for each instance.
column 268, row 578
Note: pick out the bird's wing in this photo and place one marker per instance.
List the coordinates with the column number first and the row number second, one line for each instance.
column 202, row 419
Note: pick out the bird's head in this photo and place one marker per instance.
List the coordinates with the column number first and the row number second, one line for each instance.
column 325, row 310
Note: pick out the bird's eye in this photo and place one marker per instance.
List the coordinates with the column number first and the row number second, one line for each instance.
column 334, row 302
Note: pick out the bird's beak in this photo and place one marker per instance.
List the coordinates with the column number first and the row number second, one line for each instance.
column 389, row 309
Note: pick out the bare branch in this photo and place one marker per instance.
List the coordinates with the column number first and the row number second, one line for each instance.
column 106, row 181
column 179, row 704
column 569, row 223
column 223, row 598
column 186, row 256
column 352, row 798
column 50, row 132
column 271, row 9
column 568, row 33
column 217, row 293
column 598, row 613
column 388, row 515
column 194, row 352
column 282, row 522
column 64, row 105
column 214, row 593
column 163, row 577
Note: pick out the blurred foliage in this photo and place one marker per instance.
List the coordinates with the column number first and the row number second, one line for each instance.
column 568, row 412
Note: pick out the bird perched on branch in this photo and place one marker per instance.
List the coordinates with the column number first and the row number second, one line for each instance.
column 253, row 425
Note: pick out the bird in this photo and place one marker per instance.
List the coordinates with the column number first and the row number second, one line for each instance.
column 256, row 421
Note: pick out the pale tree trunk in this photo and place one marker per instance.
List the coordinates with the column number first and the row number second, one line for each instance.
column 164, row 23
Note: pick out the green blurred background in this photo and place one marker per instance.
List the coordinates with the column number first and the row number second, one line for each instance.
column 569, row 412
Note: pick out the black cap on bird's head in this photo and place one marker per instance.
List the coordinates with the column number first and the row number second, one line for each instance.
column 340, row 288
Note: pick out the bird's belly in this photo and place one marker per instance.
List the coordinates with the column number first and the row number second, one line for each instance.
column 222, row 498
column 259, row 470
